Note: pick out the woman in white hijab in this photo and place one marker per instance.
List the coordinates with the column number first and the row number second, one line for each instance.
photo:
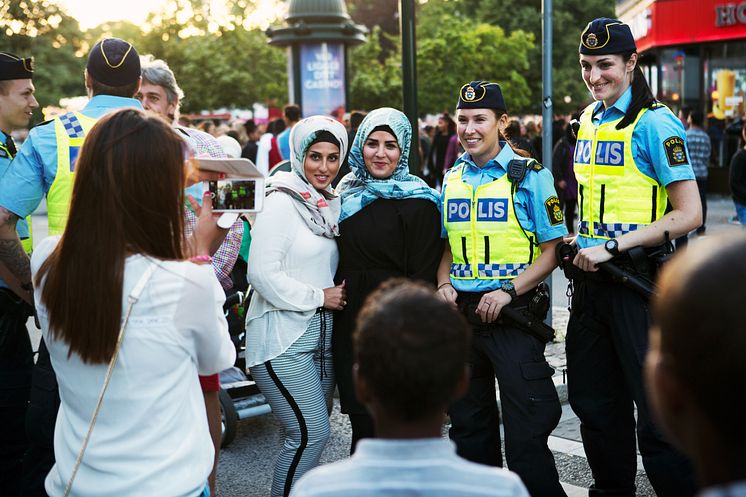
column 292, row 263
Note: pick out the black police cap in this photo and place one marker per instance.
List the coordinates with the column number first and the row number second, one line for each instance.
column 481, row 95
column 604, row 36
column 14, row 67
column 114, row 62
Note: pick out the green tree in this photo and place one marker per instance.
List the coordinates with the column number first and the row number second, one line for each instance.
column 233, row 69
column 453, row 49
column 570, row 17
column 41, row 29
column 375, row 81
column 381, row 13
column 217, row 66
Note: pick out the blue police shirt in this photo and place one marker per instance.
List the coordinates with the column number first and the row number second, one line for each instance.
column 283, row 142
column 5, row 161
column 35, row 167
column 648, row 151
column 535, row 189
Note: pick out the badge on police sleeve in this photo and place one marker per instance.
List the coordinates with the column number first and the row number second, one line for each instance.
column 675, row 151
column 552, row 205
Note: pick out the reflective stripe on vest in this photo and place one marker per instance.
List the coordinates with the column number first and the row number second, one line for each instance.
column 607, row 230
column 70, row 130
column 28, row 241
column 614, row 196
column 483, row 231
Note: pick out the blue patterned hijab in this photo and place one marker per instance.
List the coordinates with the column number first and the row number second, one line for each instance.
column 359, row 188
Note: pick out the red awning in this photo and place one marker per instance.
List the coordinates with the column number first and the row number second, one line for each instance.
column 679, row 22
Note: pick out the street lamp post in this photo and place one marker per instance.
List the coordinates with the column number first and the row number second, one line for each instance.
column 547, row 114
column 317, row 34
column 409, row 77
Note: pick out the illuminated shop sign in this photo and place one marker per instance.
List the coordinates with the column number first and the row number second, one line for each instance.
column 730, row 14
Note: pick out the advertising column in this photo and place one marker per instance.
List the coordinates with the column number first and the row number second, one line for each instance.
column 322, row 79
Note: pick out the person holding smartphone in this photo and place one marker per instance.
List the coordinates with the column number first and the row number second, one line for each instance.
column 151, row 434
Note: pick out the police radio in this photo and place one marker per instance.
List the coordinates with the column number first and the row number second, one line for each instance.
column 517, row 170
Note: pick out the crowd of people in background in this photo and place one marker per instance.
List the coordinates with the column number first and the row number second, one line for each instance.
column 439, row 148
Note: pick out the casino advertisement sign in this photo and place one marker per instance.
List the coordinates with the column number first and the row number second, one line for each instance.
column 322, row 78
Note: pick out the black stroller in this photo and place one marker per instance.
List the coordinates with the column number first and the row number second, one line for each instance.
column 240, row 398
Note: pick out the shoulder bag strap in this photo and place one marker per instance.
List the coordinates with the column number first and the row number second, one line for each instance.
column 131, row 299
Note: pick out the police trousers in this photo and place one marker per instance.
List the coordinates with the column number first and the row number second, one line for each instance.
column 529, row 401
column 44, row 402
column 16, row 362
column 607, row 339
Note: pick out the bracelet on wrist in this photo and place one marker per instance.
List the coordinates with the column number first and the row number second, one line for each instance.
column 201, row 259
column 444, row 284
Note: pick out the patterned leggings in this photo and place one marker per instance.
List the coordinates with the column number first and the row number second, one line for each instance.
column 299, row 384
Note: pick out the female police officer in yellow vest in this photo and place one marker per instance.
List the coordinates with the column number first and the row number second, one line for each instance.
column 502, row 228
column 630, row 159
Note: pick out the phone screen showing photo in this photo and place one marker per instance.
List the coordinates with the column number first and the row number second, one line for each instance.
column 233, row 194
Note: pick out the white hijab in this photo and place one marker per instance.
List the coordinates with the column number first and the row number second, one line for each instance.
column 319, row 209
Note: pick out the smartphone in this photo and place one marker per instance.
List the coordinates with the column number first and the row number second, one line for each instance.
column 233, row 195
column 242, row 189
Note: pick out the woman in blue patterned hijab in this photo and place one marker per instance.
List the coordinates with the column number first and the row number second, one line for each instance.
column 363, row 184
column 389, row 228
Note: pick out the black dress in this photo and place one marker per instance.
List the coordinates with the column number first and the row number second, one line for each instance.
column 386, row 239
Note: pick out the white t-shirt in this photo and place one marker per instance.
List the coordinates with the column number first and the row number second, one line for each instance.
column 289, row 267
column 151, row 435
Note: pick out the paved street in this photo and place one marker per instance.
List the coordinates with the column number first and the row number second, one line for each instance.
column 246, row 465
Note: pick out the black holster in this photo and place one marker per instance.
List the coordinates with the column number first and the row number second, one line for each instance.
column 527, row 313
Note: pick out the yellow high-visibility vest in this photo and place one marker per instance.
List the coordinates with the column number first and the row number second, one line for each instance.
column 614, row 197
column 486, row 239
column 70, row 130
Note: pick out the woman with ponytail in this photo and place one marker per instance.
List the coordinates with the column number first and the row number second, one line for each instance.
column 630, row 160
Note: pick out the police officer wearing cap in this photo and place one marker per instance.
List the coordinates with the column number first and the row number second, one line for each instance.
column 45, row 166
column 502, row 219
column 630, row 160
column 17, row 103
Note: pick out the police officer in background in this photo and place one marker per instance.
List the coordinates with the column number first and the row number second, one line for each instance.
column 630, row 159
column 17, row 104
column 45, row 165
column 502, row 219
